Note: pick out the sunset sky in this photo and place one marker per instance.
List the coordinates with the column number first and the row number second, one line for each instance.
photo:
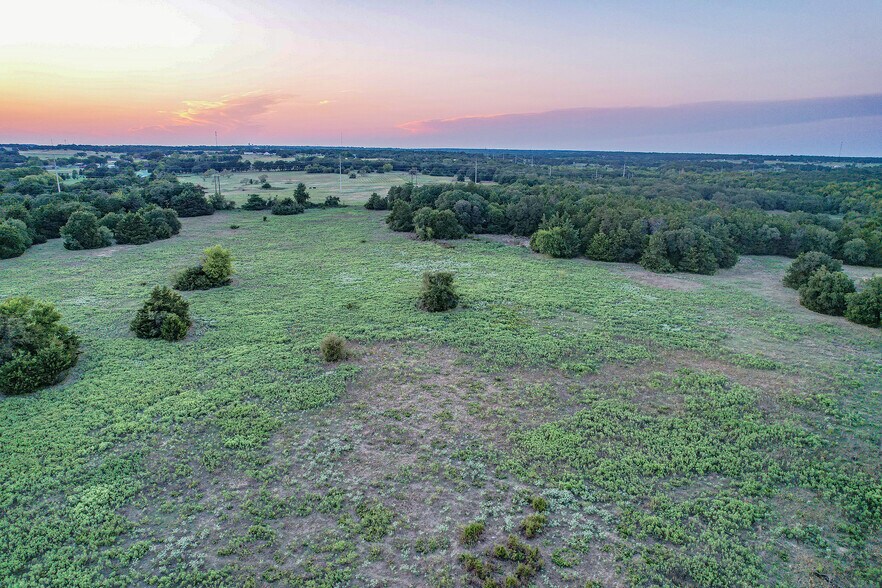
column 765, row 76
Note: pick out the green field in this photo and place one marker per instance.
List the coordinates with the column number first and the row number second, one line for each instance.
column 235, row 186
column 682, row 429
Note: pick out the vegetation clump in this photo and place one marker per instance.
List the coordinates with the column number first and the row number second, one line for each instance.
column 865, row 307
column 805, row 265
column 166, row 315
column 826, row 292
column 14, row 238
column 557, row 238
column 377, row 202
column 215, row 270
column 36, row 350
column 255, row 202
column 439, row 292
column 532, row 524
column 471, row 533
column 333, row 348
column 82, row 231
column 436, row 224
column 287, row 206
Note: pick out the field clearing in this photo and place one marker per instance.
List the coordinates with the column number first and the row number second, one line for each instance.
column 677, row 426
column 355, row 191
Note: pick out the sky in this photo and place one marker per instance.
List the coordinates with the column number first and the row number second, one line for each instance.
column 776, row 77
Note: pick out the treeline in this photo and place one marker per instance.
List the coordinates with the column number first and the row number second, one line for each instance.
column 94, row 212
column 663, row 229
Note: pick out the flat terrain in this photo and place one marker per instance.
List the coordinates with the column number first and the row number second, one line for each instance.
column 682, row 429
column 236, row 187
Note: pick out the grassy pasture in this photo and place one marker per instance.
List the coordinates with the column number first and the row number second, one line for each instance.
column 355, row 191
column 681, row 429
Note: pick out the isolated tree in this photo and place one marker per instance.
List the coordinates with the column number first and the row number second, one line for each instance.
column 439, row 292
column 166, row 315
column 35, row 348
column 826, row 292
column 301, row 195
column 805, row 266
column 82, row 231
column 865, row 307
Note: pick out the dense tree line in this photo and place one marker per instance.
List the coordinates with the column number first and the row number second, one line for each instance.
column 664, row 227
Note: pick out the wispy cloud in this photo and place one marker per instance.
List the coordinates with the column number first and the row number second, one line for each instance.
column 602, row 126
column 231, row 112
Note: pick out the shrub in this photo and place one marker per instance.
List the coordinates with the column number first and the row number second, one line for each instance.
column 163, row 222
column 14, row 238
column 35, row 348
column 471, row 533
column 333, row 348
column 855, row 251
column 111, row 220
column 559, row 240
column 539, row 504
column 192, row 202
column 287, row 206
column 805, row 265
column 401, row 217
column 332, row 202
column 49, row 218
column 865, row 307
column 532, row 525
column 825, row 292
column 82, row 231
column 439, row 292
column 255, row 202
column 266, row 185
column 215, row 270
column 164, row 306
column 133, row 229
column 436, row 224
column 376, row 202
column 218, row 202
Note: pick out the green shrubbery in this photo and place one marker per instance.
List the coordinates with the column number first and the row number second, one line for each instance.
column 825, row 292
column 557, row 238
column 215, row 270
column 287, row 206
column 439, row 292
column 255, row 202
column 865, row 307
column 144, row 226
column 35, row 348
column 82, row 231
column 14, row 238
column 377, row 202
column 471, row 533
column 805, row 265
column 436, row 224
column 333, row 348
column 401, row 217
column 166, row 315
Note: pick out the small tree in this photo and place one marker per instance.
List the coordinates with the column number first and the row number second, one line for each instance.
column 439, row 292
column 805, row 266
column 192, row 202
column 14, row 238
column 82, row 231
column 825, row 292
column 35, row 348
column 333, row 348
column 376, row 202
column 301, row 195
column 215, row 270
column 865, row 307
column 166, row 315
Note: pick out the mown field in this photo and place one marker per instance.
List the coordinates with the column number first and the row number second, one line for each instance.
column 680, row 429
column 235, row 186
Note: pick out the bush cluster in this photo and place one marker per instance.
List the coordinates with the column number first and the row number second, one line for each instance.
column 149, row 224
column 35, row 348
column 166, row 315
column 287, row 206
column 215, row 270
column 377, row 202
column 82, row 231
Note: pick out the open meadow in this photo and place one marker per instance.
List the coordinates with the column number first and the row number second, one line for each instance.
column 625, row 427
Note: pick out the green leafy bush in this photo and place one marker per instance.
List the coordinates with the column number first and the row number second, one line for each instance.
column 333, row 348
column 287, row 206
column 332, row 202
column 215, row 270
column 855, row 251
column 255, row 202
column 532, row 524
column 35, row 348
column 805, row 265
column 166, row 315
column 825, row 292
column 82, row 231
column 192, row 202
column 132, row 229
column 560, row 240
column 439, row 292
column 436, row 224
column 376, row 202
column 865, row 307
column 401, row 217
column 14, row 238
column 471, row 533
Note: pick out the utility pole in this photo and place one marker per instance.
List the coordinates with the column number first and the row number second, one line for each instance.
column 476, row 170
column 623, row 169
column 57, row 180
column 340, row 158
